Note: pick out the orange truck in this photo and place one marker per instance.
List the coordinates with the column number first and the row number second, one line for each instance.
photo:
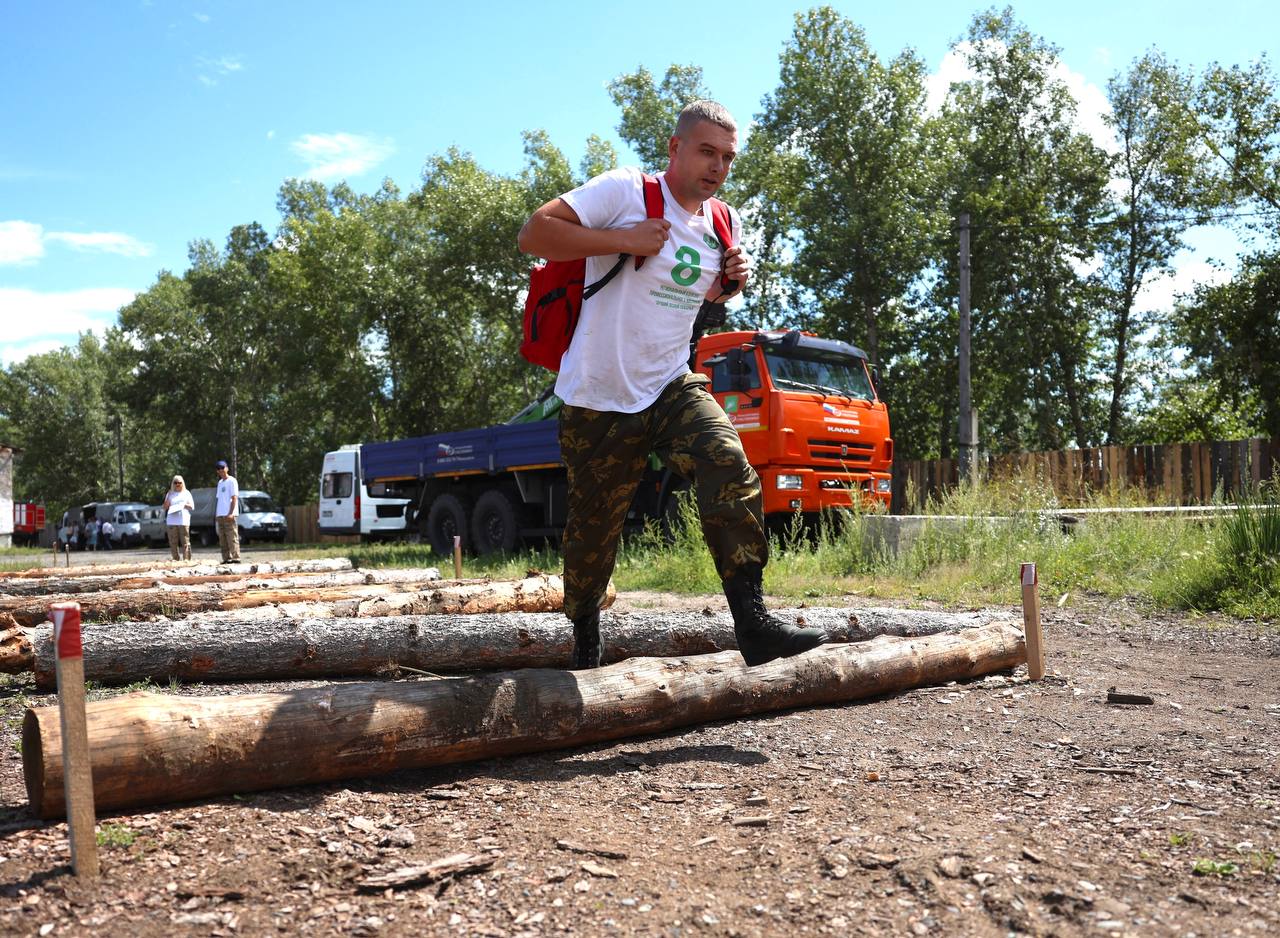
column 809, row 416
column 806, row 408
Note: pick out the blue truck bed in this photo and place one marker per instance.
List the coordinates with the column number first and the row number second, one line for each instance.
column 488, row 449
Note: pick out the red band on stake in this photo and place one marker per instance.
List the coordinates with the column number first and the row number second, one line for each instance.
column 66, row 629
column 1029, row 577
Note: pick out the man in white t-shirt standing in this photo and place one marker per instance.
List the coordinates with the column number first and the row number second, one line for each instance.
column 627, row 388
column 225, row 511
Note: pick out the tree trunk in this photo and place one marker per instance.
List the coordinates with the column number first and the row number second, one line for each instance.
column 149, row 749
column 91, row 581
column 535, row 594
column 235, row 649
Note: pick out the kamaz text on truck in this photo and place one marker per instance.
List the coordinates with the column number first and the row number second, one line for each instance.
column 806, row 408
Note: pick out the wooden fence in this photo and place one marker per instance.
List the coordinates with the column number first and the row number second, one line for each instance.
column 1171, row 473
column 304, row 527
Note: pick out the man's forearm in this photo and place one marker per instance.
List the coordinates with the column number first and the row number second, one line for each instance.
column 559, row 240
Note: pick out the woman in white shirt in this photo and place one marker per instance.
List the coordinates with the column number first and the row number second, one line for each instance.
column 178, row 505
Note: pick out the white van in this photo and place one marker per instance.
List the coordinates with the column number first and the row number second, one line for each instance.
column 346, row 507
column 126, row 524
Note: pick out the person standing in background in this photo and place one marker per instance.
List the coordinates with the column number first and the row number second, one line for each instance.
column 178, row 505
column 225, row 513
column 108, row 529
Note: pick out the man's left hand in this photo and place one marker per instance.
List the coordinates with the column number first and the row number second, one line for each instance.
column 737, row 266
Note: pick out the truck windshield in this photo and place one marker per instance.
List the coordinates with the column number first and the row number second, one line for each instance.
column 824, row 372
column 255, row 503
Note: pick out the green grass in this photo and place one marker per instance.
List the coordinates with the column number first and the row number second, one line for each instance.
column 115, row 835
column 24, row 558
column 967, row 554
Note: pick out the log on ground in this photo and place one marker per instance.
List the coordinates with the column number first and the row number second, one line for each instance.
column 149, row 749
column 542, row 593
column 89, row 580
column 232, row 649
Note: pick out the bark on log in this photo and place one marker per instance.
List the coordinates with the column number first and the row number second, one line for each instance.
column 91, row 580
column 149, row 749
column 232, row 649
column 536, row 594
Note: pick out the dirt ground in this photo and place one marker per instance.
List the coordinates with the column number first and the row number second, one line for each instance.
column 988, row 808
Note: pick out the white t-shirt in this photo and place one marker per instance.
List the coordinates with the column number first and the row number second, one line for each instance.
column 180, row 506
column 226, row 489
column 632, row 338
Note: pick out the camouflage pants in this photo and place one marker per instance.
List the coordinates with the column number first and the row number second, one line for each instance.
column 605, row 453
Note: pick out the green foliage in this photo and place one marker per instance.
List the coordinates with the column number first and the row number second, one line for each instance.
column 116, row 836
column 839, row 174
column 1237, row 571
column 1034, row 187
column 61, row 412
column 649, row 111
column 1232, row 332
column 1154, row 170
column 1180, row 839
column 1219, row 868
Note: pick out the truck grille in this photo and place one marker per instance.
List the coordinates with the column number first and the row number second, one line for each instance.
column 841, row 451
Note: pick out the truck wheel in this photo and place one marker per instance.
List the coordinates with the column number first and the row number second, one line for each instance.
column 447, row 519
column 494, row 523
column 207, row 537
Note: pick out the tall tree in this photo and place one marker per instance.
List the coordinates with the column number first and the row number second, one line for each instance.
column 847, row 136
column 1034, row 186
column 60, row 411
column 1232, row 332
column 1156, row 187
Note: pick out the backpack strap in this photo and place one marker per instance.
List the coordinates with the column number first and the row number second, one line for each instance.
column 655, row 206
column 722, row 222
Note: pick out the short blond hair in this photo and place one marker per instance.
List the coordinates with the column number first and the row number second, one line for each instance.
column 178, row 479
column 696, row 112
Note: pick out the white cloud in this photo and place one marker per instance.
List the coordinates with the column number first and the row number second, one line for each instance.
column 1091, row 101
column 110, row 242
column 336, row 156
column 35, row 322
column 32, row 314
column 21, row 242
column 12, row 352
column 223, row 65
column 201, row 17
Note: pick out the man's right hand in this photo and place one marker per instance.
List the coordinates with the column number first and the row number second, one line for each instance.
column 645, row 239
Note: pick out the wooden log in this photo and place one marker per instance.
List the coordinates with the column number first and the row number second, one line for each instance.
column 543, row 593
column 149, row 749
column 231, row 649
column 92, row 581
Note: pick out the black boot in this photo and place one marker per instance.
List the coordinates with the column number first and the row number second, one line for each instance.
column 586, row 641
column 761, row 637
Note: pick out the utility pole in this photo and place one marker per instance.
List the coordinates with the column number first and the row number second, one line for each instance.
column 120, row 455
column 968, row 419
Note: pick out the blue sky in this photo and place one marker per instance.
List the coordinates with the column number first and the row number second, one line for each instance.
column 131, row 127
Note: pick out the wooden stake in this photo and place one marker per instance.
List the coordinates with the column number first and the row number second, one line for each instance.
column 77, row 772
column 457, row 556
column 1031, row 621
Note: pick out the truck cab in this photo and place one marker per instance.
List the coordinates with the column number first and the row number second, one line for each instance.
column 809, row 416
column 349, row 506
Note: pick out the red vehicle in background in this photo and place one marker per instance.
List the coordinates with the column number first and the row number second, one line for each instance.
column 28, row 522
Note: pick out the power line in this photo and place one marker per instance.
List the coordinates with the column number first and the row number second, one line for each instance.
column 1121, row 221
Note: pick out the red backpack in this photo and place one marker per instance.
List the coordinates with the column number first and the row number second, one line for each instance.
column 556, row 291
